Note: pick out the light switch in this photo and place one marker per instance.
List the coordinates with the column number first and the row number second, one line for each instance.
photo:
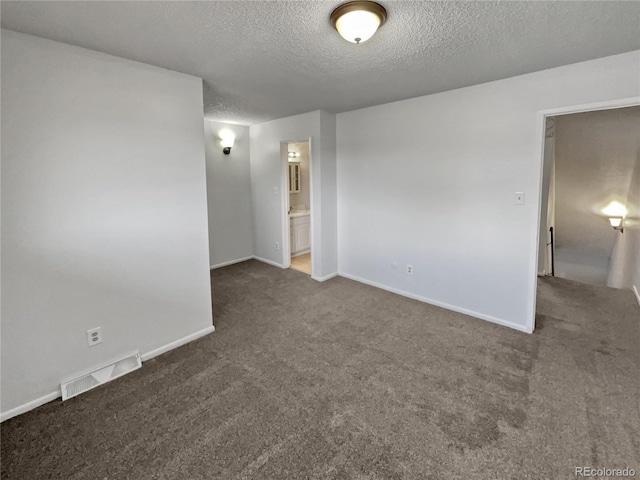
column 275, row 190
column 519, row 198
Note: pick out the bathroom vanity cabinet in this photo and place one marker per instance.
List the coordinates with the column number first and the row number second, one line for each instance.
column 300, row 239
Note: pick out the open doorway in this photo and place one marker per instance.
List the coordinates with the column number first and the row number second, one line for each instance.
column 298, row 205
column 591, row 167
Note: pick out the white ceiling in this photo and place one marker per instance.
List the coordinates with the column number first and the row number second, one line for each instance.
column 596, row 155
column 265, row 59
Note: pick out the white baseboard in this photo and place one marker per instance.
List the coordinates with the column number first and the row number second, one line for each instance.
column 437, row 303
column 24, row 408
column 230, row 262
column 325, row 278
column 302, row 252
column 178, row 343
column 635, row 291
column 269, row 262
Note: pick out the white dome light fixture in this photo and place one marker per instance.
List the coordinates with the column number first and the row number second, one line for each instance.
column 357, row 21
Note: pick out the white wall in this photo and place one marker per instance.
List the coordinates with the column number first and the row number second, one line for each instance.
column 633, row 228
column 636, row 271
column 430, row 181
column 625, row 259
column 104, row 219
column 328, row 182
column 228, row 195
column 267, row 172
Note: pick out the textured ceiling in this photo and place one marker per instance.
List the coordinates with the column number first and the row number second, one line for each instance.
column 265, row 59
column 596, row 154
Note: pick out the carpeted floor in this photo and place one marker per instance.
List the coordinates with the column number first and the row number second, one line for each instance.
column 344, row 381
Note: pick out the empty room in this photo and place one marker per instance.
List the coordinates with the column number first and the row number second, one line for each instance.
column 320, row 240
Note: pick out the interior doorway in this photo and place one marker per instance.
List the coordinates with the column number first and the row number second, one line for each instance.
column 590, row 179
column 298, row 206
column 577, row 238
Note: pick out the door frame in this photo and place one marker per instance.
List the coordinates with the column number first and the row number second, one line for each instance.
column 286, row 221
column 541, row 126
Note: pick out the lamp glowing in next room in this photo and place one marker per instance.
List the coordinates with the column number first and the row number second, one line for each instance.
column 227, row 138
column 357, row 21
column 616, row 222
column 616, row 213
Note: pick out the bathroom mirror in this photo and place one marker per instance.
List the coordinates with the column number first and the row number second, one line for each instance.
column 294, row 178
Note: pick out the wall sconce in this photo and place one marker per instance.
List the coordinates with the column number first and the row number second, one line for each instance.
column 227, row 140
column 616, row 212
column 617, row 223
column 293, row 156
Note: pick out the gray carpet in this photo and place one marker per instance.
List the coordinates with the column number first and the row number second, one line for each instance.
column 344, row 381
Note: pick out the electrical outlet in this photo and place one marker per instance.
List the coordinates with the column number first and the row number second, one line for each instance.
column 409, row 269
column 94, row 336
column 277, row 245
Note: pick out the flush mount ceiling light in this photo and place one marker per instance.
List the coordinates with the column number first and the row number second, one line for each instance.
column 357, row 21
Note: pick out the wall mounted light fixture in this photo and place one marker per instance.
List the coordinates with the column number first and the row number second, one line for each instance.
column 227, row 139
column 616, row 212
column 293, row 156
column 357, row 21
column 617, row 223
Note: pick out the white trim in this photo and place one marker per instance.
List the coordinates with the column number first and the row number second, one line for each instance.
column 315, row 206
column 637, row 294
column 540, row 127
column 437, row 303
column 25, row 407
column 592, row 107
column 325, row 278
column 178, row 343
column 284, row 207
column 301, row 252
column 269, row 262
column 231, row 262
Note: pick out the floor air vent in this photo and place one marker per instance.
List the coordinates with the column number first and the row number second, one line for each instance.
column 102, row 375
